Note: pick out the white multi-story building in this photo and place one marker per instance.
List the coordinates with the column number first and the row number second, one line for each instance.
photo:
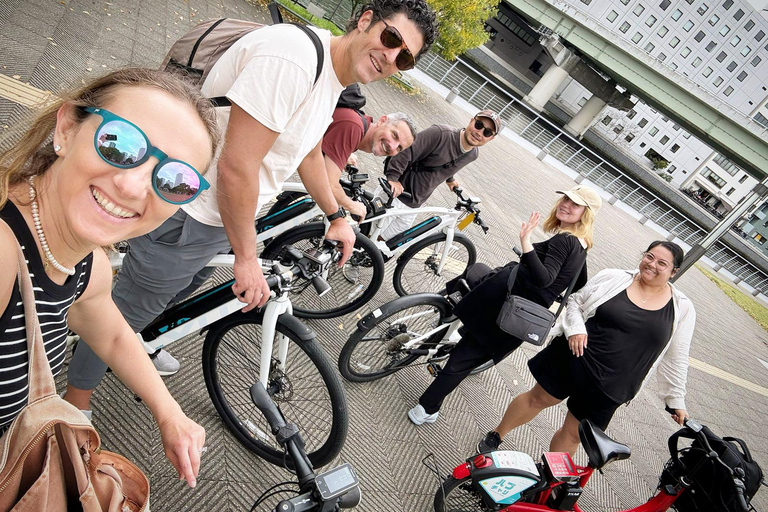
column 722, row 47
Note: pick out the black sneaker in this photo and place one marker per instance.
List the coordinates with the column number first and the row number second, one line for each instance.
column 489, row 443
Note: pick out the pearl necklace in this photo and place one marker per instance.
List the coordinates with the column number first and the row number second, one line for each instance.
column 41, row 236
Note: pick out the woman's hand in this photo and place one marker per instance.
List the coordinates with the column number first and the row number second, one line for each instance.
column 526, row 230
column 577, row 344
column 183, row 440
column 680, row 415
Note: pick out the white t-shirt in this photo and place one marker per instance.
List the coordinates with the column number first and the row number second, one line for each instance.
column 269, row 73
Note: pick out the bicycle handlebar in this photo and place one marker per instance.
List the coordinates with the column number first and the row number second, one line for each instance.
column 310, row 265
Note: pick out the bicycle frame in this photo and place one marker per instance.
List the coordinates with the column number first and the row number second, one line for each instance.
column 451, row 336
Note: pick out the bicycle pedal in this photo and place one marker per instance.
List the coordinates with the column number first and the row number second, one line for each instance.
column 434, row 369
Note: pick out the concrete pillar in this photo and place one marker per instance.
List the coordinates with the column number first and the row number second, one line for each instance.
column 756, row 293
column 579, row 178
column 542, row 154
column 642, row 220
column 737, row 280
column 671, row 237
column 585, row 117
column 717, row 267
column 612, row 199
column 546, row 87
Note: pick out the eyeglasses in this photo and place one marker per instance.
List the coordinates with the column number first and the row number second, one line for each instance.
column 391, row 38
column 487, row 132
column 122, row 144
column 662, row 264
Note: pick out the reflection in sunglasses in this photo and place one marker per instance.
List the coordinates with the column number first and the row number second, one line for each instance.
column 391, row 38
column 487, row 132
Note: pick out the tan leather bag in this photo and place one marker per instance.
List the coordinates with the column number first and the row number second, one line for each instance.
column 50, row 457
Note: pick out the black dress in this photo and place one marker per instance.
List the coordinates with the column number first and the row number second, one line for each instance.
column 544, row 273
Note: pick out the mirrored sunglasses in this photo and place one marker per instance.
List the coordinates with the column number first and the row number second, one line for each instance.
column 122, row 144
column 391, row 38
column 487, row 132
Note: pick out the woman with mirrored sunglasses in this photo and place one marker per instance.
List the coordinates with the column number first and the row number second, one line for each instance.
column 98, row 166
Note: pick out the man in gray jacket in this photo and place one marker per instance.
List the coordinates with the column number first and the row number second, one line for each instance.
column 438, row 153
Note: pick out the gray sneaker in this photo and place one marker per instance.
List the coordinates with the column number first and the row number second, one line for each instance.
column 165, row 363
column 489, row 443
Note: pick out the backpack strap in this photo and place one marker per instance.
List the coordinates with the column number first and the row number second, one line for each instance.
column 447, row 165
column 366, row 124
column 222, row 101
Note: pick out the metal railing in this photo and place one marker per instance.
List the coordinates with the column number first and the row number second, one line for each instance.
column 480, row 91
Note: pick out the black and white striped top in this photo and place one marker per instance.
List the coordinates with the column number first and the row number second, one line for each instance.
column 53, row 302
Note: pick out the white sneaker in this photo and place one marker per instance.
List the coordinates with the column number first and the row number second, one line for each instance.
column 165, row 363
column 419, row 416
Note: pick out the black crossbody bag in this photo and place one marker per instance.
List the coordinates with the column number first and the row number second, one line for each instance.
column 526, row 320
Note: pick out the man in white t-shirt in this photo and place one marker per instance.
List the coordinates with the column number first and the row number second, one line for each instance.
column 273, row 128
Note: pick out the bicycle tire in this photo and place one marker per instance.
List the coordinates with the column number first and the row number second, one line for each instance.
column 458, row 494
column 415, row 270
column 359, row 279
column 309, row 394
column 354, row 363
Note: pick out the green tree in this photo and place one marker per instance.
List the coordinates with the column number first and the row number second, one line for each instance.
column 462, row 24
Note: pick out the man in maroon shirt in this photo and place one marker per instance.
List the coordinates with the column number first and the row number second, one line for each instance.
column 351, row 131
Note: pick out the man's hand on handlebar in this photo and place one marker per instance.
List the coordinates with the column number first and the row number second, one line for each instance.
column 453, row 185
column 340, row 230
column 357, row 210
column 250, row 286
column 679, row 415
column 397, row 188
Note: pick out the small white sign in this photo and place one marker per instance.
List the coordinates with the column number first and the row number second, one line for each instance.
column 514, row 460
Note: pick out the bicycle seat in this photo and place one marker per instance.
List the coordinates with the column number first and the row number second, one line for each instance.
column 600, row 448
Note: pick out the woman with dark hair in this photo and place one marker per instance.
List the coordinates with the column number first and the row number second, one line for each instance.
column 105, row 163
column 545, row 270
column 617, row 330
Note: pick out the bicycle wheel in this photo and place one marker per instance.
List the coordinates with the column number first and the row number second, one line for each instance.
column 376, row 350
column 416, row 269
column 308, row 392
column 352, row 285
column 458, row 496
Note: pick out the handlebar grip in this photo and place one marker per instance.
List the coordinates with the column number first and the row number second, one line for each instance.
column 740, row 499
column 517, row 251
column 264, row 402
column 321, row 286
column 351, row 499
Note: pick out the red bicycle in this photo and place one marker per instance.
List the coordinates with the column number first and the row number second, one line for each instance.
column 512, row 482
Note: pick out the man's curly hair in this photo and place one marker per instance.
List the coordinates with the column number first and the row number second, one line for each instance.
column 415, row 10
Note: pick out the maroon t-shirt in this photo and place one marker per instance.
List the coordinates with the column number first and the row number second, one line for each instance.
column 343, row 135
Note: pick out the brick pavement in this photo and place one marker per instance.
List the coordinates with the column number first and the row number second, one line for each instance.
column 50, row 43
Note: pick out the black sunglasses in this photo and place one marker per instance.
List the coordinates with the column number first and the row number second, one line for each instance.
column 487, row 132
column 391, row 38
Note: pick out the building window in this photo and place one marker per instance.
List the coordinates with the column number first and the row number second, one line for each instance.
column 738, row 14
column 665, row 4
column 727, row 4
column 642, row 123
column 696, row 62
column 625, row 2
column 651, row 20
column 735, row 41
column 730, row 191
column 662, row 31
column 699, row 36
column 674, row 148
column 676, row 127
column 638, row 10
column 685, row 52
column 745, row 51
column 743, row 179
column 759, row 36
column 664, row 139
column 637, row 37
column 612, row 16
column 631, row 113
column 653, row 131
column 728, row 90
column 742, row 76
column 732, row 66
column 662, row 56
column 688, row 26
column 711, row 46
column 624, row 27
column 649, row 47
column 516, row 29
column 702, row 9
column 707, row 71
column 757, row 60
column 673, row 65
column 619, row 128
column 724, row 30
column 721, row 56
column 718, row 81
column 629, row 138
column 714, row 19
column 642, row 144
column 749, row 25
column 606, row 120
column 676, row 15
column 586, row 2
column 686, row 135
column 710, row 175
column 674, row 41
column 760, row 118
column 582, row 102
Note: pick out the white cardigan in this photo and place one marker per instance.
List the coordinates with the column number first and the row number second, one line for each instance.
column 672, row 363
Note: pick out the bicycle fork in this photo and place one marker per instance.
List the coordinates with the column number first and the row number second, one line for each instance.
column 272, row 312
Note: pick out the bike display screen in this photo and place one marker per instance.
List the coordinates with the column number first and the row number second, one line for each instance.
column 336, row 482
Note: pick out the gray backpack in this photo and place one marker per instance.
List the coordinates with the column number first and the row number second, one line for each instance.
column 195, row 53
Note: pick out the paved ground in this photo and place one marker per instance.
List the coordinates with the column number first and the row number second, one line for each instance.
column 49, row 44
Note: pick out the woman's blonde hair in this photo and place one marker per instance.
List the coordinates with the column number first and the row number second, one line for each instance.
column 33, row 154
column 583, row 229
